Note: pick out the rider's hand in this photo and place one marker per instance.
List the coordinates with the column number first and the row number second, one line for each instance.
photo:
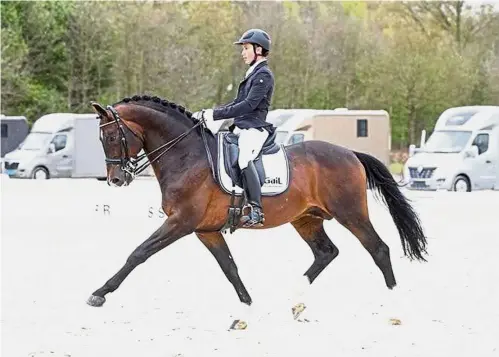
column 197, row 115
column 207, row 114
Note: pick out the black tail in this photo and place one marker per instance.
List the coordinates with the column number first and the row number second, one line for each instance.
column 405, row 218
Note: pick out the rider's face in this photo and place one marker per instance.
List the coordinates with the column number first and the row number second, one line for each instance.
column 247, row 52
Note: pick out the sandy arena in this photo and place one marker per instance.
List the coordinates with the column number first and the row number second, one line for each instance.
column 62, row 239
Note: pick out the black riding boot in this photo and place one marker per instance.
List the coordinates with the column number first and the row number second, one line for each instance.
column 252, row 188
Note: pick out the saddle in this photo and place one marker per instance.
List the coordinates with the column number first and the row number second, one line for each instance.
column 271, row 165
column 231, row 156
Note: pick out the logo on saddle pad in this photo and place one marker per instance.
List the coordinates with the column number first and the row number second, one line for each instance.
column 273, row 181
column 272, row 167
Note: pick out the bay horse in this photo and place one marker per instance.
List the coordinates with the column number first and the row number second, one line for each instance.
column 326, row 181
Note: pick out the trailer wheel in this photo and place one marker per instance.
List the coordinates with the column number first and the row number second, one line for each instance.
column 461, row 184
column 40, row 173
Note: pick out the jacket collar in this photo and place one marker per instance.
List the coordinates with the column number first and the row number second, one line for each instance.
column 255, row 69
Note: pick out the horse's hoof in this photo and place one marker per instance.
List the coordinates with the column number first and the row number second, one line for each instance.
column 298, row 309
column 96, row 301
column 238, row 325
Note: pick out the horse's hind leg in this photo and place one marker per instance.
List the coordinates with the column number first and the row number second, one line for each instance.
column 311, row 229
column 357, row 221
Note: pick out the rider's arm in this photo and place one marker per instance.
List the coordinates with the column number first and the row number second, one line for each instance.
column 226, row 105
column 259, row 89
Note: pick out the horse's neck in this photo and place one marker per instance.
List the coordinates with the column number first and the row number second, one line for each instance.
column 178, row 160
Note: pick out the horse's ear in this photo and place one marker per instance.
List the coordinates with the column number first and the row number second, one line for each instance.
column 99, row 109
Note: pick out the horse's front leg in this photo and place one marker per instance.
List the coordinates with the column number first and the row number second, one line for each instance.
column 171, row 230
column 217, row 245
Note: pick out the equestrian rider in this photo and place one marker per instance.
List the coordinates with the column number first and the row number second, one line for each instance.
column 249, row 111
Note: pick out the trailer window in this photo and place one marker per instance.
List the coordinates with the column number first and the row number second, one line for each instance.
column 296, row 138
column 5, row 131
column 362, row 128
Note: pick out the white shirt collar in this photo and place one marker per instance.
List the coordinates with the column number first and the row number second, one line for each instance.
column 248, row 72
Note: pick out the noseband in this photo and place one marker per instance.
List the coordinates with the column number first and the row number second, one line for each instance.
column 129, row 164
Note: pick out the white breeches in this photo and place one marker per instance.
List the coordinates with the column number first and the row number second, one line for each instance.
column 250, row 144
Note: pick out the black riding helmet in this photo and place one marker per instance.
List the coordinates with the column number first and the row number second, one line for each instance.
column 256, row 37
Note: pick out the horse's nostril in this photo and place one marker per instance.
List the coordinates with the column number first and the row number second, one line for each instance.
column 115, row 180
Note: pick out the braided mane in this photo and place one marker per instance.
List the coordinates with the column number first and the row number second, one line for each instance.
column 157, row 103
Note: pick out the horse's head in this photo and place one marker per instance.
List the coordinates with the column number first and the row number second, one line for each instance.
column 121, row 144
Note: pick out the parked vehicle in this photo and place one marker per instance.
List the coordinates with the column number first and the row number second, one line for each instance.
column 14, row 131
column 462, row 154
column 361, row 130
column 59, row 145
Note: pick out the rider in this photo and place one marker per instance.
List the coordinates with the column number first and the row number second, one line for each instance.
column 249, row 111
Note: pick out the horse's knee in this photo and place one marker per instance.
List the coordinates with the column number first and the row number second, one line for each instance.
column 325, row 253
column 334, row 252
column 326, row 249
column 136, row 258
column 331, row 249
column 329, row 254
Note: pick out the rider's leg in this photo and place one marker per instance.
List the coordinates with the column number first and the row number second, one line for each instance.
column 250, row 144
column 251, row 184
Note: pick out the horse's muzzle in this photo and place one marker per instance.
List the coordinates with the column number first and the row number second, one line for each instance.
column 119, row 179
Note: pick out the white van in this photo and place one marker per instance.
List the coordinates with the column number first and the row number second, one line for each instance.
column 462, row 154
column 53, row 149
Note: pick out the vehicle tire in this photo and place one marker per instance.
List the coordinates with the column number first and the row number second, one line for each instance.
column 40, row 173
column 101, row 178
column 461, row 184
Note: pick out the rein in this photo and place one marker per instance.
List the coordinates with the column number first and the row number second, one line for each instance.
column 130, row 164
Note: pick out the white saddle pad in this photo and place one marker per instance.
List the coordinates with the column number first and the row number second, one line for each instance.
column 276, row 172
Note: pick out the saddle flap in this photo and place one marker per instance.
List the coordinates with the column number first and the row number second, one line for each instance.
column 230, row 153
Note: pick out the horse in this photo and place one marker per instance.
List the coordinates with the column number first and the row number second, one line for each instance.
column 325, row 182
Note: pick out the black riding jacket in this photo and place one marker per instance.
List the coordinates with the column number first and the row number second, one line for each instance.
column 252, row 103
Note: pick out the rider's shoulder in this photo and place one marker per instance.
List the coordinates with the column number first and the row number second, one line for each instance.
column 263, row 77
column 264, row 73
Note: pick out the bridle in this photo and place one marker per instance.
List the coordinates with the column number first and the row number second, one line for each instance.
column 130, row 165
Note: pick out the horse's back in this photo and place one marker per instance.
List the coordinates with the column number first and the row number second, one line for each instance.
column 322, row 152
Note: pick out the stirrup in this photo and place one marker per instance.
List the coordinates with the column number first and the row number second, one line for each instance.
column 252, row 218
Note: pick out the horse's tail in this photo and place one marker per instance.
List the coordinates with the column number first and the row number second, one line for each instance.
column 405, row 218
